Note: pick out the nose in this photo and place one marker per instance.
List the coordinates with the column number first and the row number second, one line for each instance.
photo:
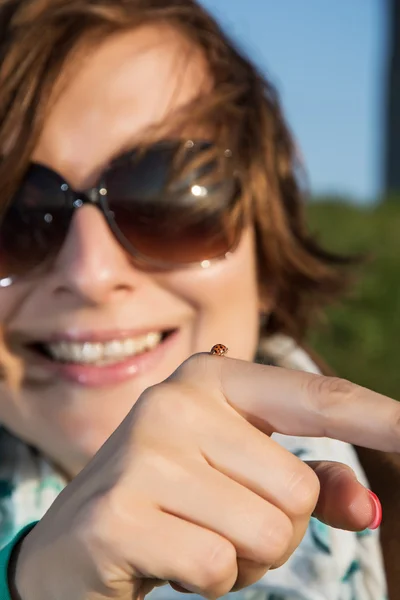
column 92, row 265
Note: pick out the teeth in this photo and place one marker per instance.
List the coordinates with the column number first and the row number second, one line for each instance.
column 103, row 353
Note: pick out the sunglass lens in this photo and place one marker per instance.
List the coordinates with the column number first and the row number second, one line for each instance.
column 173, row 208
column 35, row 225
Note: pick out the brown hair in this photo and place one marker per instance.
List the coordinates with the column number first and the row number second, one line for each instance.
column 37, row 38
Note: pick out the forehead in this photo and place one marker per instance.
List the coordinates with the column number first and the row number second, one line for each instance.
column 115, row 91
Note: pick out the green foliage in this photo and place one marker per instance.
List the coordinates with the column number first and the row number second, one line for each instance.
column 361, row 336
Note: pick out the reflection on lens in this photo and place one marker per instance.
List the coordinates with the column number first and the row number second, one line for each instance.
column 190, row 218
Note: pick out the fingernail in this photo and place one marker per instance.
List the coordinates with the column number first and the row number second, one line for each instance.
column 377, row 511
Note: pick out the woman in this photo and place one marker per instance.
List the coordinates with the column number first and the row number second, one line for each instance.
column 150, row 211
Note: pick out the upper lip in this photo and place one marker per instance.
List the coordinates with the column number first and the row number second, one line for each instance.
column 81, row 336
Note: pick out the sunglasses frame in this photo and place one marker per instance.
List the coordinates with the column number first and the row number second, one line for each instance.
column 98, row 196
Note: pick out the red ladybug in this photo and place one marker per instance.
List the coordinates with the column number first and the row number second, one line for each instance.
column 219, row 349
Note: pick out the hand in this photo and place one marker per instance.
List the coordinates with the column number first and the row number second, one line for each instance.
column 191, row 489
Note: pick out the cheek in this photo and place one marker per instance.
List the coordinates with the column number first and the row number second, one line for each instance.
column 225, row 301
column 10, row 298
column 13, row 298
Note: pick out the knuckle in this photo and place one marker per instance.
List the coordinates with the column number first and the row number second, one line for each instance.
column 166, row 404
column 159, row 469
column 272, row 538
column 216, row 566
column 194, row 367
column 304, row 490
column 326, row 394
column 151, row 400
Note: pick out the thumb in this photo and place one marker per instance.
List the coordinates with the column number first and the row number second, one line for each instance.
column 344, row 502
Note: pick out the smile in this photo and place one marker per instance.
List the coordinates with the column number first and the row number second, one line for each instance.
column 98, row 353
column 98, row 362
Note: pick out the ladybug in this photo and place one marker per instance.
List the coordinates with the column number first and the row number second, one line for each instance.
column 219, row 349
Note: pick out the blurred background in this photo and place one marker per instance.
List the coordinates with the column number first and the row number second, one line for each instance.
column 336, row 66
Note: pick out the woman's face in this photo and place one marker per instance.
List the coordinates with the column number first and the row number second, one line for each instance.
column 93, row 293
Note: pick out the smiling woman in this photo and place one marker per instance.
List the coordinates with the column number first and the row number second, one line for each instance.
column 151, row 208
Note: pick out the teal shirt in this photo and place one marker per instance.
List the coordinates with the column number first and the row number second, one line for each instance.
column 5, row 555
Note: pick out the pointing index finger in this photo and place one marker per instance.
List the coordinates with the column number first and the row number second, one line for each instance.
column 297, row 403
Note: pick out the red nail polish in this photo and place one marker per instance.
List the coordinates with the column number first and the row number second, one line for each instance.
column 377, row 511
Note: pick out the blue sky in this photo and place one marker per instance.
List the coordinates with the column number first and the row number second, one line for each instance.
column 327, row 59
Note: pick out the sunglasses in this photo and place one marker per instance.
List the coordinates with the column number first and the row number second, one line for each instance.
column 172, row 205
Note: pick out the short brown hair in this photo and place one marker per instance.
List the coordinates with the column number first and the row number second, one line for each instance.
column 38, row 36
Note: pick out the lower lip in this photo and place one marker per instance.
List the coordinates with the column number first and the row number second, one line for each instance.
column 95, row 376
